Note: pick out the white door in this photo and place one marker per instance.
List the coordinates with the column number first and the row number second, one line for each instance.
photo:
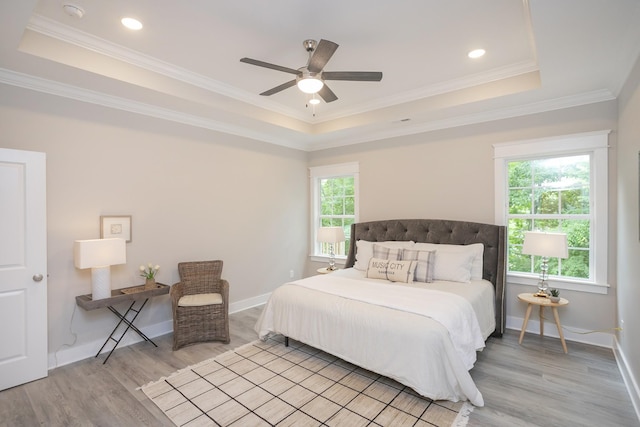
column 23, row 267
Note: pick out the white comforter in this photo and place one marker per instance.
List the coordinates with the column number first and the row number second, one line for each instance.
column 385, row 328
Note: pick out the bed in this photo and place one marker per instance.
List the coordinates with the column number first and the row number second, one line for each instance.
column 424, row 333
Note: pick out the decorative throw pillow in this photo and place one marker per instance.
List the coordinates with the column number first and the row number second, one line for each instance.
column 453, row 266
column 385, row 252
column 364, row 251
column 392, row 270
column 424, row 266
column 377, row 268
column 476, row 248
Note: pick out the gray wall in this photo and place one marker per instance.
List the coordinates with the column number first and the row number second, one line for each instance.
column 628, row 236
column 193, row 195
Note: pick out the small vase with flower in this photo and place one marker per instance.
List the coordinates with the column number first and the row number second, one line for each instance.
column 149, row 273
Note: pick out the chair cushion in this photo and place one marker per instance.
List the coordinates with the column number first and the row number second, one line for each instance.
column 199, row 300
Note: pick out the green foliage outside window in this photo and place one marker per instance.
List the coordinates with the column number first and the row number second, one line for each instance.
column 337, row 209
column 550, row 195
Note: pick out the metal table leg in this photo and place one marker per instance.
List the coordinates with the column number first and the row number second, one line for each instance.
column 130, row 325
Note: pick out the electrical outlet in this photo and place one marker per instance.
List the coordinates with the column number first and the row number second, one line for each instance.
column 290, row 274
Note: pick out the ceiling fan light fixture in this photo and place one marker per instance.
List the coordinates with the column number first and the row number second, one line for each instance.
column 314, row 101
column 310, row 84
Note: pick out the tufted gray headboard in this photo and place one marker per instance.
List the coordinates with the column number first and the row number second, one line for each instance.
column 449, row 232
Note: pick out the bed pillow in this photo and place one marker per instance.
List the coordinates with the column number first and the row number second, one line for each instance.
column 364, row 251
column 424, row 264
column 476, row 248
column 392, row 270
column 453, row 266
column 385, row 252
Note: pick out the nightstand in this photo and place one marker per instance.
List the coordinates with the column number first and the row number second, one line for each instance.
column 542, row 302
column 325, row 270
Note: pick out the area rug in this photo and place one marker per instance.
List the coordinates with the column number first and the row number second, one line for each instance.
column 270, row 384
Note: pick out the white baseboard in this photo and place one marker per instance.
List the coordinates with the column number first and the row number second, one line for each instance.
column 248, row 303
column 75, row 353
column 600, row 339
column 629, row 380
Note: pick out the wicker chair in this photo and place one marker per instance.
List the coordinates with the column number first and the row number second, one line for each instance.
column 200, row 304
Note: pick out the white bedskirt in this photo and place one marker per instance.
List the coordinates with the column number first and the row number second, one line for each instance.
column 413, row 349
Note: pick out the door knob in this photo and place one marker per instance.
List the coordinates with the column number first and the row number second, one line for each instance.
column 38, row 277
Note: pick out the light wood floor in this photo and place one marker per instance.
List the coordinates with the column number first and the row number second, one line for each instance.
column 534, row 384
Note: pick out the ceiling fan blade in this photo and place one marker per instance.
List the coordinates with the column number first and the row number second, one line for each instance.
column 327, row 94
column 271, row 66
column 358, row 76
column 321, row 55
column 280, row 88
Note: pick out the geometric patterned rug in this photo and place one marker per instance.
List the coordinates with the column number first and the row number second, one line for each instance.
column 269, row 384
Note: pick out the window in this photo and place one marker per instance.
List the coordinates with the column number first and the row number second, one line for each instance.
column 334, row 203
column 556, row 185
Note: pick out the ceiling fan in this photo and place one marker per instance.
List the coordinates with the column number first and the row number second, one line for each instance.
column 310, row 78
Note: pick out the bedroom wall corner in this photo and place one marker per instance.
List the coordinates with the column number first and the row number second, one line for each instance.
column 628, row 243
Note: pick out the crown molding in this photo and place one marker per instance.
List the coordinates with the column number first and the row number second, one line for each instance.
column 84, row 95
column 66, row 34
column 417, row 94
column 470, row 119
column 304, row 144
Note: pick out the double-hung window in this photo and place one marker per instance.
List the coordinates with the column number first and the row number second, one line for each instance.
column 556, row 185
column 334, row 203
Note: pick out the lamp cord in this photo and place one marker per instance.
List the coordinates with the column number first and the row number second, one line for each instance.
column 608, row 330
column 75, row 337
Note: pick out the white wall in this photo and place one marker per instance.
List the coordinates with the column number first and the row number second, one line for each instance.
column 629, row 233
column 449, row 174
column 193, row 195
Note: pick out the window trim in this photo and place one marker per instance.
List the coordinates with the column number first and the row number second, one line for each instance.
column 329, row 171
column 595, row 144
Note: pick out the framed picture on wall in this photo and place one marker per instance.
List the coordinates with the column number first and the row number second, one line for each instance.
column 115, row 226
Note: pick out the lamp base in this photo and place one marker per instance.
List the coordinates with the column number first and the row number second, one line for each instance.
column 541, row 294
column 100, row 282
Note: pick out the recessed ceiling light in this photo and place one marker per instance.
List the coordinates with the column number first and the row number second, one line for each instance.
column 131, row 23
column 476, row 53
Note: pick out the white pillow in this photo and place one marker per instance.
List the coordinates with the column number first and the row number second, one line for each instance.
column 453, row 266
column 477, row 249
column 364, row 251
column 393, row 270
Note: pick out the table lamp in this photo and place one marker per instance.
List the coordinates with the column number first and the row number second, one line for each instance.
column 546, row 245
column 331, row 235
column 99, row 255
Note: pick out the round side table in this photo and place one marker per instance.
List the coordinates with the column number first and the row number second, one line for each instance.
column 542, row 302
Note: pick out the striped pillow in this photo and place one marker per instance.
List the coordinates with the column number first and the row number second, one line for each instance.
column 425, row 264
column 383, row 252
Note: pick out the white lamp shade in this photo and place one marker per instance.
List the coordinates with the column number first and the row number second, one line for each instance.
column 552, row 245
column 330, row 235
column 99, row 252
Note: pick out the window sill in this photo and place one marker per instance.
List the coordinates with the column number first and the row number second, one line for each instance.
column 570, row 285
column 323, row 258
